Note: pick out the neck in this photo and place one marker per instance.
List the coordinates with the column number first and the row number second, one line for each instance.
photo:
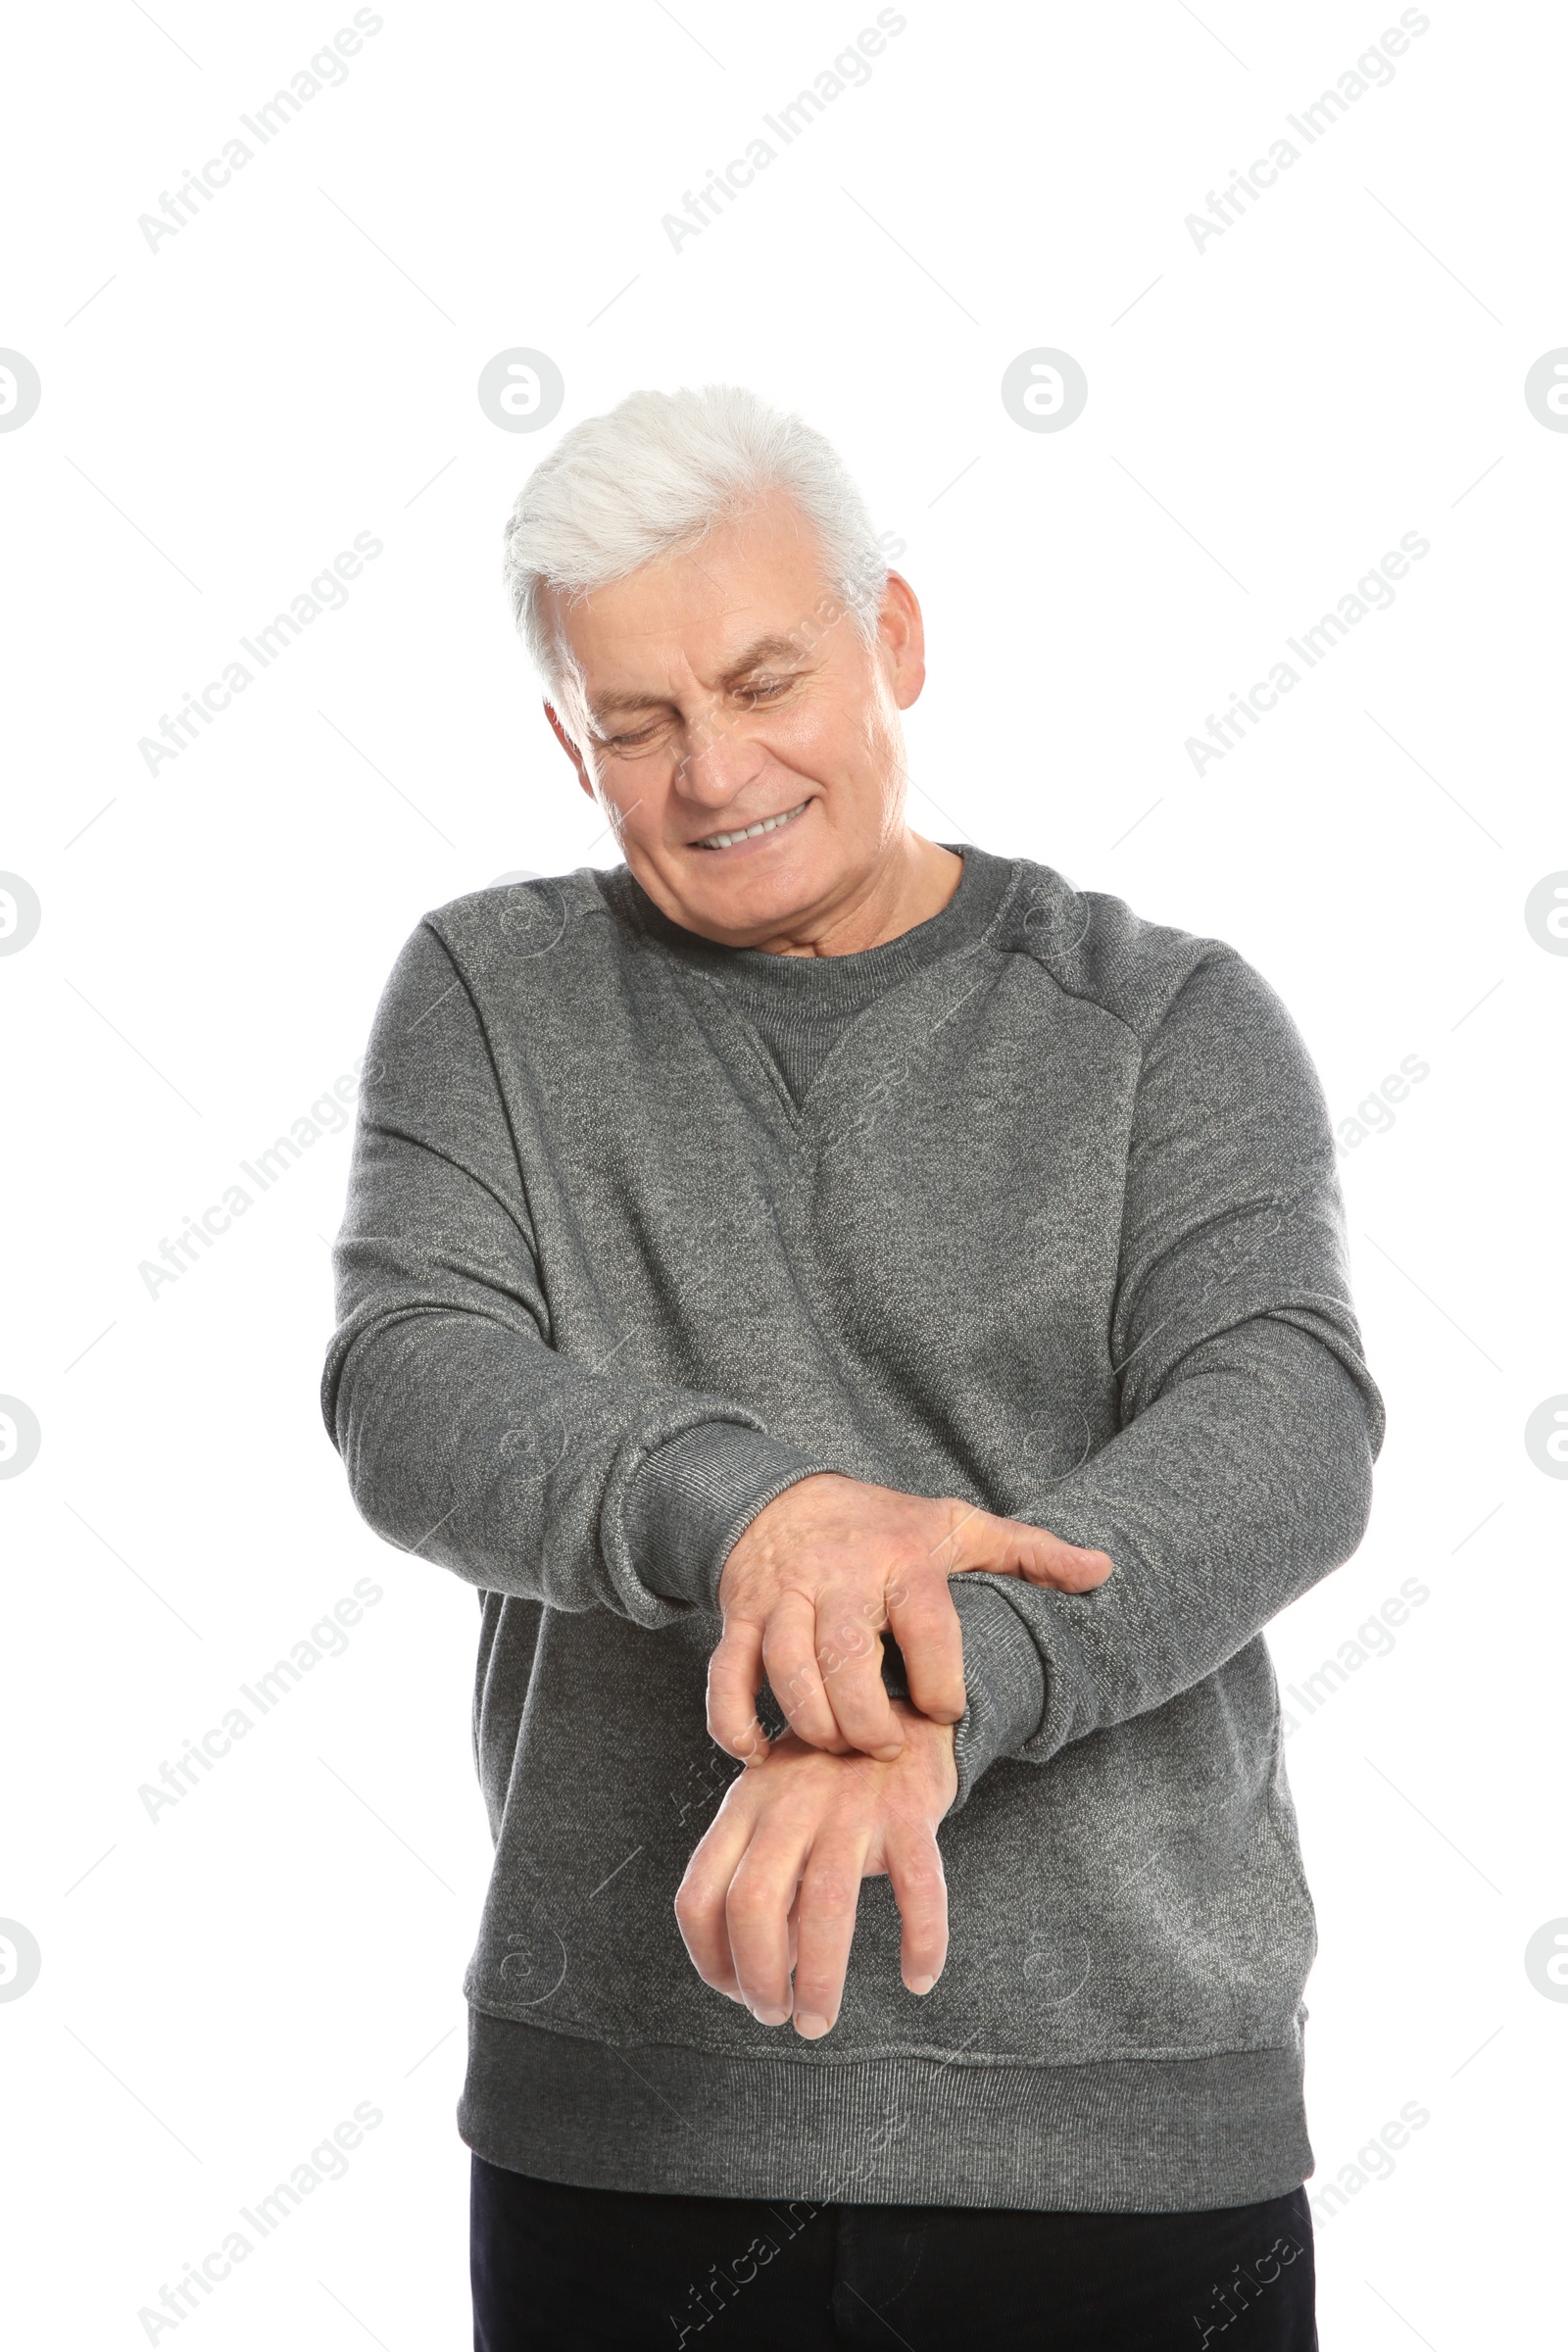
column 911, row 885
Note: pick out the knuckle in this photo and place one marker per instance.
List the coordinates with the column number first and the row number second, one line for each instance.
column 747, row 1906
column 693, row 1904
column 830, row 1893
column 923, row 1883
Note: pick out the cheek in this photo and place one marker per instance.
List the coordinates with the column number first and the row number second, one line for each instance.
column 844, row 744
column 638, row 794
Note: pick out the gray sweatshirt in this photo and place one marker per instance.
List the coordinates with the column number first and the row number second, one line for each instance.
column 1035, row 1205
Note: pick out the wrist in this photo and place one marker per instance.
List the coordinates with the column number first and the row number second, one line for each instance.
column 759, row 1536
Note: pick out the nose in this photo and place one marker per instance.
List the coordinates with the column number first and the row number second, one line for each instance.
column 719, row 759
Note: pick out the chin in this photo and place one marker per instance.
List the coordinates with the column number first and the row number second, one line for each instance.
column 757, row 898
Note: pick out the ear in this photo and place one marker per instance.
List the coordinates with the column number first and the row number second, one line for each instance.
column 570, row 750
column 900, row 635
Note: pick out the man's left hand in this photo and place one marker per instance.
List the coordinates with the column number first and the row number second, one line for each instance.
column 774, row 1885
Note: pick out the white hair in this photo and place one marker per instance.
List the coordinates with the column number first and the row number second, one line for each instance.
column 651, row 477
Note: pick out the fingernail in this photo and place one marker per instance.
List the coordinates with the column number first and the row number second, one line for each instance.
column 921, row 1984
column 770, row 2017
column 809, row 2026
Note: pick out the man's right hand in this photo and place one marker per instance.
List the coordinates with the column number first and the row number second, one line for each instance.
column 821, row 1571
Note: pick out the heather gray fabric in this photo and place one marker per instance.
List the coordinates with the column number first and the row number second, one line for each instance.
column 1055, row 1226
column 800, row 1005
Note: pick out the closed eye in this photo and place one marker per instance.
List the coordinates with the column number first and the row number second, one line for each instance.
column 761, row 690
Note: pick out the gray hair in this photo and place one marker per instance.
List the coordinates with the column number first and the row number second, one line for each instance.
column 651, row 477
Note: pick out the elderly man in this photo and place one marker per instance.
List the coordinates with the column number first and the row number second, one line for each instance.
column 871, row 1321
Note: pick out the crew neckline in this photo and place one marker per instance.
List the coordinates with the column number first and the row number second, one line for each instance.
column 865, row 970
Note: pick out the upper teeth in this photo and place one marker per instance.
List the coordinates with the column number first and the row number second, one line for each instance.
column 768, row 824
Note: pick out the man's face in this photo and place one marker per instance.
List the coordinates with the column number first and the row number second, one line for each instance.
column 721, row 688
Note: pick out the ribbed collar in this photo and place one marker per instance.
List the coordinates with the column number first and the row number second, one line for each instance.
column 841, row 981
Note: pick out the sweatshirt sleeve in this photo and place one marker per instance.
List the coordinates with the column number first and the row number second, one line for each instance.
column 467, row 1434
column 1242, row 1469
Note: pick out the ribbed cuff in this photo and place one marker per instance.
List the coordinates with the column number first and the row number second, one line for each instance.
column 1005, row 1676
column 692, row 1499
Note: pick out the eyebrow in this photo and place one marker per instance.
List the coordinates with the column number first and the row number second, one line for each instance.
column 761, row 649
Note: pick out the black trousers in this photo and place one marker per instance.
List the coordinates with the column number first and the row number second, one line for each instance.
column 590, row 2268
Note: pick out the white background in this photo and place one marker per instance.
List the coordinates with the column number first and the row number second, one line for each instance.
column 220, row 416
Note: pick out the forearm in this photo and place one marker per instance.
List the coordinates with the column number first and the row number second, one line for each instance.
column 471, row 1443
column 1230, row 1494
column 469, row 1434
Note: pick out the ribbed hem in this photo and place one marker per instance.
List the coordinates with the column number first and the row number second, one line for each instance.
column 690, row 1501
column 1005, row 1678
column 1139, row 2136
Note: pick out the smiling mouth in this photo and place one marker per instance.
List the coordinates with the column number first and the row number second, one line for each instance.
column 765, row 824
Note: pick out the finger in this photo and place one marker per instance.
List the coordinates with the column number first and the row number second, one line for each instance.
column 1044, row 1559
column 921, row 1890
column 701, row 1897
column 926, row 1627
column 756, row 1911
column 789, row 1652
column 848, row 1654
column 793, row 1924
column 734, row 1678
column 830, row 1894
column 1013, row 1548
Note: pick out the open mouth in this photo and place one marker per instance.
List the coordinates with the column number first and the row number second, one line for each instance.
column 765, row 824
